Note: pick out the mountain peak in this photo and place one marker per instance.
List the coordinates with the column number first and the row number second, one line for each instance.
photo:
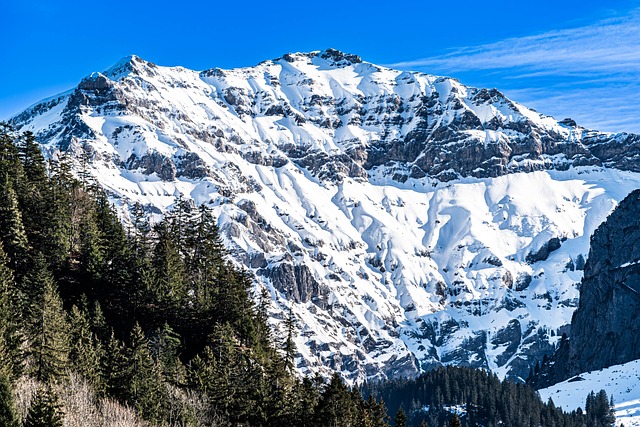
column 95, row 81
column 131, row 64
column 339, row 58
column 334, row 57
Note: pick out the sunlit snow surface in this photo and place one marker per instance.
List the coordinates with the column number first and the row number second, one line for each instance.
column 622, row 382
column 407, row 271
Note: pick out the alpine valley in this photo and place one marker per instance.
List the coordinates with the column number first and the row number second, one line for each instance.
column 407, row 221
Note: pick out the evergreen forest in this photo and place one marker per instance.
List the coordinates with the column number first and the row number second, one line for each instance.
column 106, row 324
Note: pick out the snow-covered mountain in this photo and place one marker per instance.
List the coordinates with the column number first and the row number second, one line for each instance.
column 409, row 220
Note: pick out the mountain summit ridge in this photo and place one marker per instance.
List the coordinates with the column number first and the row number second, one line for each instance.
column 489, row 134
column 391, row 210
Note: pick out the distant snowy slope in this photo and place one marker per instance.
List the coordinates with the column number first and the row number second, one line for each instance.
column 622, row 382
column 409, row 220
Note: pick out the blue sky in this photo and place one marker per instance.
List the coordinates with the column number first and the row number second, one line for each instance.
column 578, row 59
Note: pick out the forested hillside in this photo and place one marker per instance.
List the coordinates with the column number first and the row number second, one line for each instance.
column 481, row 399
column 152, row 317
column 102, row 324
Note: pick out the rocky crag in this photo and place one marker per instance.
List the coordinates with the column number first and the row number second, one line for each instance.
column 605, row 329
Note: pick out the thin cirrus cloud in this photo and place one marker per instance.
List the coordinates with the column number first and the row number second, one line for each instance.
column 590, row 73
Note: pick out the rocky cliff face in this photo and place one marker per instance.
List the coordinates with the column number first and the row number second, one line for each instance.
column 408, row 220
column 337, row 117
column 605, row 329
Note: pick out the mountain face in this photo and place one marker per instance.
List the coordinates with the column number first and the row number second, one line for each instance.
column 408, row 220
column 605, row 329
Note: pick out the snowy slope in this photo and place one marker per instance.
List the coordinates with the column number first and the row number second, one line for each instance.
column 622, row 382
column 409, row 220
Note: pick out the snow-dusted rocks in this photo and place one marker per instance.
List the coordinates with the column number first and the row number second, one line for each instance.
column 407, row 219
column 605, row 329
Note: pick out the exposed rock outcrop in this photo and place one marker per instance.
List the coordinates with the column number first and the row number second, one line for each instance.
column 295, row 281
column 154, row 162
column 605, row 329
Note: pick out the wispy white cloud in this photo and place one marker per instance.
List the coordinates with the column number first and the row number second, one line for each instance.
column 591, row 73
column 612, row 45
column 595, row 108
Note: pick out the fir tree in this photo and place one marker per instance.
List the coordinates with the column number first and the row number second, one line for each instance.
column 85, row 353
column 10, row 315
column 204, row 256
column 45, row 411
column 455, row 421
column 8, row 417
column 289, row 346
column 168, row 269
column 32, row 159
column 164, row 345
column 39, row 210
column 335, row 407
column 226, row 364
column 10, row 164
column 145, row 383
column 12, row 231
column 48, row 331
column 99, row 326
column 91, row 245
column 377, row 411
column 400, row 419
column 115, row 368
column 308, row 396
column 115, row 247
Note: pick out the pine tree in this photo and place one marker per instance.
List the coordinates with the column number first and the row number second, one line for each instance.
column 610, row 417
column 91, row 245
column 10, row 316
column 145, row 383
column 289, row 346
column 58, row 212
column 45, row 410
column 164, row 345
column 168, row 269
column 99, row 326
column 308, row 396
column 48, row 329
column 589, row 405
column 455, row 421
column 32, row 159
column 12, row 231
column 116, row 368
column 600, row 408
column 115, row 247
column 335, row 407
column 233, row 305
column 378, row 412
column 278, row 393
column 226, row 365
column 8, row 417
column 41, row 215
column 180, row 223
column 204, row 256
column 10, row 164
column 85, row 353
column 400, row 419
